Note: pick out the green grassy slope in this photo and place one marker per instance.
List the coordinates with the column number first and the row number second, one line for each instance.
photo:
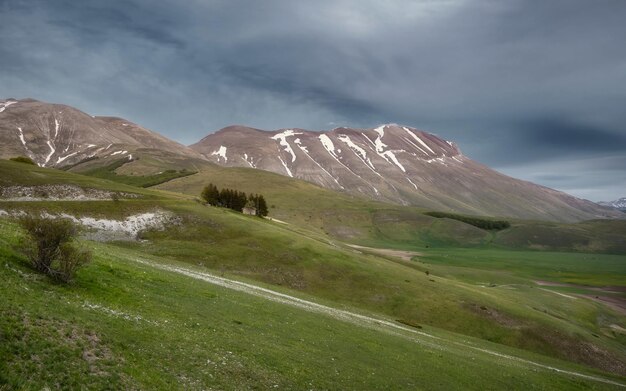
column 313, row 264
column 370, row 223
column 21, row 174
column 109, row 172
column 124, row 325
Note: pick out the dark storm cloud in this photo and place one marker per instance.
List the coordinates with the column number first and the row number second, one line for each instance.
column 562, row 134
column 523, row 86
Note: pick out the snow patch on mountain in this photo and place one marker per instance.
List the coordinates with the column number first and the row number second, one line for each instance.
column 380, row 130
column 285, row 165
column 618, row 204
column 249, row 160
column 6, row 104
column 358, row 151
column 52, row 151
column 28, row 151
column 22, row 137
column 302, row 147
column 395, row 160
column 418, row 139
column 56, row 128
column 328, row 144
column 330, row 148
column 389, row 156
column 62, row 158
column 282, row 139
column 440, row 160
column 306, row 152
column 415, row 146
column 220, row 153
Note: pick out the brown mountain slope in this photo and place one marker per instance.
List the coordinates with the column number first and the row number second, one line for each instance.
column 390, row 163
column 397, row 164
column 55, row 135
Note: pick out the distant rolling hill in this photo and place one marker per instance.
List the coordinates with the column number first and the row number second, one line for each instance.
column 396, row 164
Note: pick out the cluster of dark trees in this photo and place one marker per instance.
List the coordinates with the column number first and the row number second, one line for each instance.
column 234, row 199
column 487, row 224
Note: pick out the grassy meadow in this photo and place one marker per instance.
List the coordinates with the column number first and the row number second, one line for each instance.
column 126, row 324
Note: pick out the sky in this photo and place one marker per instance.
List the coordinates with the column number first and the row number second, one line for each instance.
column 534, row 89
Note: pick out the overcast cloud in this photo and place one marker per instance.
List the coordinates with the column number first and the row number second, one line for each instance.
column 535, row 89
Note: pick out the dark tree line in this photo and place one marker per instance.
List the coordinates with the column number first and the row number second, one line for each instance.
column 495, row 225
column 234, row 199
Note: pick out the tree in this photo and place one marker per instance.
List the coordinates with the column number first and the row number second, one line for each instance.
column 51, row 248
column 226, row 198
column 261, row 209
column 239, row 201
column 259, row 204
column 210, row 194
column 233, row 199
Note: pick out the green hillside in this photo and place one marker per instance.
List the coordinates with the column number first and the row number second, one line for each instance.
column 148, row 313
column 128, row 325
column 369, row 223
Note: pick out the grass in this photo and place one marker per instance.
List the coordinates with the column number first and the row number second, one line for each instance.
column 123, row 325
column 348, row 218
column 250, row 248
column 109, row 172
column 565, row 267
column 19, row 174
column 486, row 294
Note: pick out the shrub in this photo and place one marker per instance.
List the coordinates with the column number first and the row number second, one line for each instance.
column 23, row 159
column 51, row 248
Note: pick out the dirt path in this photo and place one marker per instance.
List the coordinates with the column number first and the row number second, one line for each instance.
column 616, row 303
column 606, row 294
column 603, row 289
column 404, row 255
column 362, row 320
column 558, row 293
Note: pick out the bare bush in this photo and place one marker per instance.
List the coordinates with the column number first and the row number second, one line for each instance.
column 51, row 247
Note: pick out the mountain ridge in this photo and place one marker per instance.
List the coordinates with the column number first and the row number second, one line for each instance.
column 619, row 203
column 57, row 135
column 393, row 163
column 389, row 163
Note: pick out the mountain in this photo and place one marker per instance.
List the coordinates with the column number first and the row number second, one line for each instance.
column 390, row 163
column 617, row 204
column 397, row 164
column 56, row 135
